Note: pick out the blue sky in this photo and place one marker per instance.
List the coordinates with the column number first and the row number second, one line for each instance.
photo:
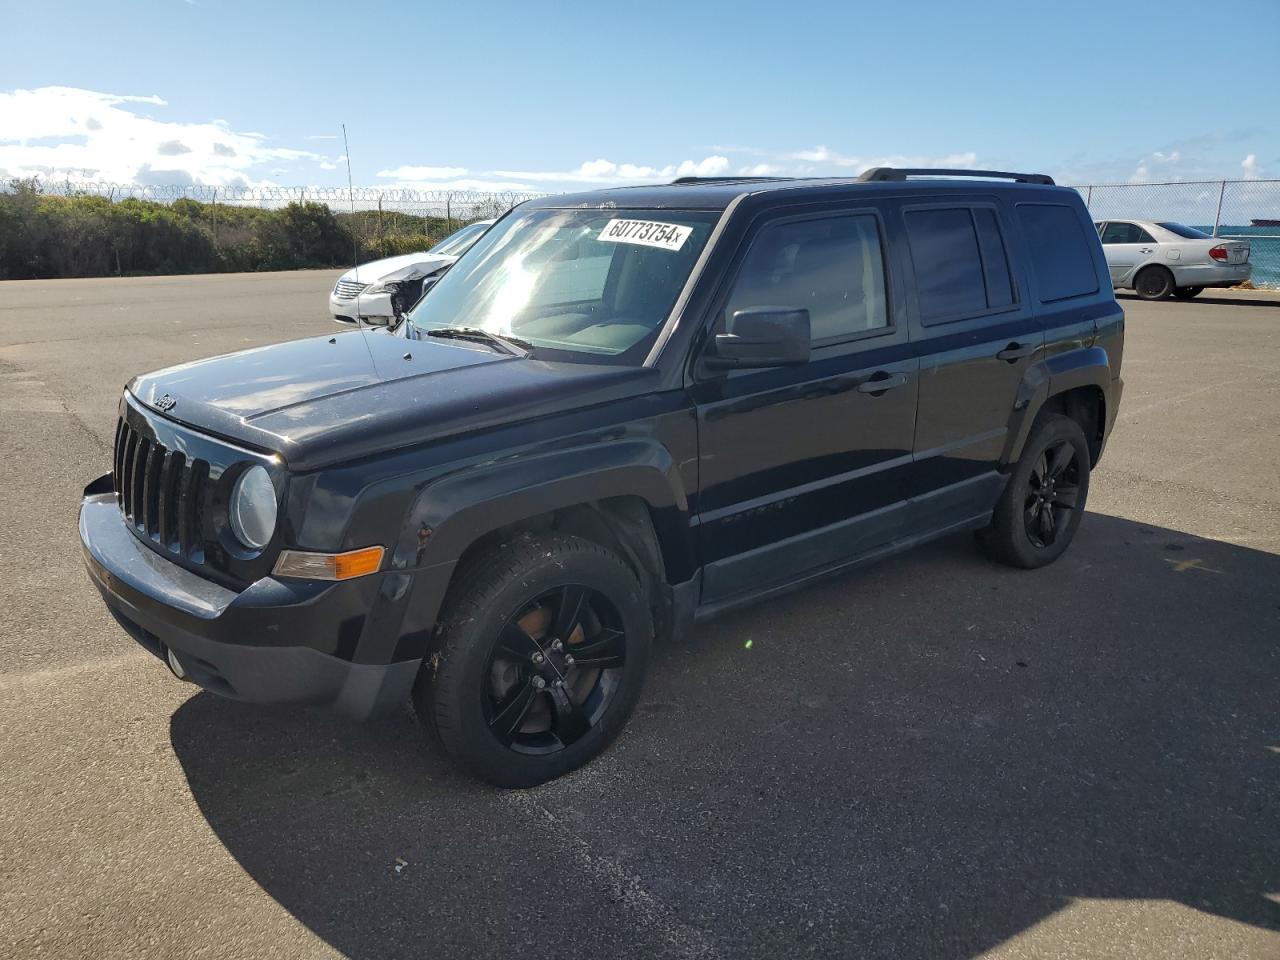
column 566, row 95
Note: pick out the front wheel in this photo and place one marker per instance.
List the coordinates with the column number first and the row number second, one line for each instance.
column 1040, row 509
column 1186, row 293
column 542, row 653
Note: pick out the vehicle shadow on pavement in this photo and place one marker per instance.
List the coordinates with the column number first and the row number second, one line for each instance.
column 1243, row 299
column 923, row 759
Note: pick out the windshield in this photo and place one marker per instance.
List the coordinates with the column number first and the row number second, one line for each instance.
column 1190, row 233
column 456, row 243
column 587, row 285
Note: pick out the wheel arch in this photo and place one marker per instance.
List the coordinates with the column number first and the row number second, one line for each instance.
column 1073, row 383
column 627, row 497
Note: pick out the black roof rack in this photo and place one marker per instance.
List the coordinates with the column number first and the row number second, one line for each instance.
column 898, row 173
column 696, row 180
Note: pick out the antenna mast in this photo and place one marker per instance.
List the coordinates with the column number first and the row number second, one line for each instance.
column 351, row 201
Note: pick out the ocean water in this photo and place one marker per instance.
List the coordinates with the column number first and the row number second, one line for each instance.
column 1264, row 250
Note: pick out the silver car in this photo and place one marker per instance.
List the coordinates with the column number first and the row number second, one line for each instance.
column 1158, row 259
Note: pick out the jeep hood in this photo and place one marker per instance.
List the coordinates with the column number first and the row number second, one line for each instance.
column 329, row 399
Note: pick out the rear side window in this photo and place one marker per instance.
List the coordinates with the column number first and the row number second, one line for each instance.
column 1125, row 233
column 1182, row 230
column 1060, row 252
column 961, row 265
column 832, row 267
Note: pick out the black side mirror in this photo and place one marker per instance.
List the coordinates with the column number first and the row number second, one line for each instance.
column 762, row 337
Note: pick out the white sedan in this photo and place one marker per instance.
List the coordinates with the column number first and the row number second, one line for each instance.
column 1158, row 259
column 379, row 291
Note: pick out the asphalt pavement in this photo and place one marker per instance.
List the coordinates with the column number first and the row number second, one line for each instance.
column 934, row 757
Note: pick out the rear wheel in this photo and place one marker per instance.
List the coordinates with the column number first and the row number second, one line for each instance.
column 1153, row 283
column 1041, row 507
column 1186, row 293
column 543, row 650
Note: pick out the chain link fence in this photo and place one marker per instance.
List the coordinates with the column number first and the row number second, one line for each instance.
column 1231, row 209
column 382, row 221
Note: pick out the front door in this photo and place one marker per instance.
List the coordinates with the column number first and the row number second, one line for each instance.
column 801, row 468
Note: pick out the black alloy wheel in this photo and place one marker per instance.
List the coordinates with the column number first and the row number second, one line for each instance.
column 1053, row 493
column 1044, row 498
column 539, row 658
column 555, row 668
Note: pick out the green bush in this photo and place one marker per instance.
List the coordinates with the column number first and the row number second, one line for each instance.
column 43, row 236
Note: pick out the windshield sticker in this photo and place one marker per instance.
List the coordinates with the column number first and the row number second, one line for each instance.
column 646, row 233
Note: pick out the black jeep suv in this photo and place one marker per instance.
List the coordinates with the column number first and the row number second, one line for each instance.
column 618, row 413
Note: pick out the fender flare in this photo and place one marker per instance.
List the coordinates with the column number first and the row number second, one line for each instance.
column 1083, row 367
column 450, row 514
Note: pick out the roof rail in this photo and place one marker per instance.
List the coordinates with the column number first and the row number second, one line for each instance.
column 695, row 180
column 876, row 174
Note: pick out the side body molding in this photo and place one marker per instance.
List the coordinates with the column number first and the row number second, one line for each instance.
column 1086, row 366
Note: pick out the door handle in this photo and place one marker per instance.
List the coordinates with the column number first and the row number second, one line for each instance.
column 1016, row 351
column 880, row 382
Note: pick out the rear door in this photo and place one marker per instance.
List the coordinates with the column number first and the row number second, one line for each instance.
column 1127, row 247
column 801, row 468
column 976, row 335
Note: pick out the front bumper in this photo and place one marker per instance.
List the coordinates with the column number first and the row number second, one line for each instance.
column 364, row 305
column 266, row 644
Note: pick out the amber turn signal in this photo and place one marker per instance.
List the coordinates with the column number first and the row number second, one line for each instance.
column 329, row 566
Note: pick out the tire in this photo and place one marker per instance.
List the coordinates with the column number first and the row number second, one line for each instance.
column 1019, row 534
column 1186, row 293
column 1153, row 283
column 504, row 692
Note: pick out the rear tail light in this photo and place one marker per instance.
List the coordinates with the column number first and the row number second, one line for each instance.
column 1219, row 253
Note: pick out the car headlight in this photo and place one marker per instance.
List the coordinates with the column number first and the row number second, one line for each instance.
column 391, row 286
column 252, row 508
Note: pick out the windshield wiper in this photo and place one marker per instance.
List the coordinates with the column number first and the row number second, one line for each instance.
column 512, row 345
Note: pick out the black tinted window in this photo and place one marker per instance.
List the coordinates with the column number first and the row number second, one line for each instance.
column 1125, row 233
column 1182, row 230
column 833, row 268
column 1060, row 253
column 944, row 249
column 995, row 261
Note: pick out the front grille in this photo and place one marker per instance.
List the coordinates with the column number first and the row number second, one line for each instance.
column 346, row 289
column 162, row 493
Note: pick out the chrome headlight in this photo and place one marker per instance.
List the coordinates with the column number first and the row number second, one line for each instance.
column 252, row 508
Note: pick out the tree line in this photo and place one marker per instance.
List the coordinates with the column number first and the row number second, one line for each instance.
column 49, row 236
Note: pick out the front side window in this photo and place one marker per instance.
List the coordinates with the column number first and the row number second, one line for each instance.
column 832, row 267
column 961, row 266
column 591, row 286
column 1125, row 233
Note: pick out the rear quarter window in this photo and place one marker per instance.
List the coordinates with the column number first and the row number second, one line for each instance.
column 1061, row 256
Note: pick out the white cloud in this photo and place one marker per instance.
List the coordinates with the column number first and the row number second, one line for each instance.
column 65, row 131
column 822, row 159
column 607, row 173
column 759, row 170
column 424, row 173
column 1250, row 166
